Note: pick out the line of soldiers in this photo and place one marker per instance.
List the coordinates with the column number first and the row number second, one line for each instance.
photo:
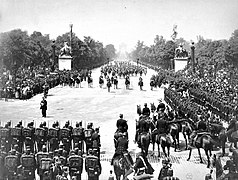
column 37, row 148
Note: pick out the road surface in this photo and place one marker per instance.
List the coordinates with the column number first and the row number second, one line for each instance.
column 101, row 107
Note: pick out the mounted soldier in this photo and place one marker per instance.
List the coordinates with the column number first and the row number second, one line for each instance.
column 40, row 134
column 92, row 166
column 78, row 135
column 29, row 137
column 53, row 136
column 88, row 136
column 11, row 165
column 146, row 111
column 122, row 125
column 75, row 162
column 142, row 168
column 28, row 165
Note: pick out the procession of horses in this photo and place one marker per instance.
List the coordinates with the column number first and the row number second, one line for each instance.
column 60, row 152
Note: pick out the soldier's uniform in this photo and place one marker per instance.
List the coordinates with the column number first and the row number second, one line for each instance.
column 11, row 166
column 29, row 136
column 53, row 137
column 40, row 155
column 166, row 170
column 88, row 136
column 78, row 135
column 75, row 163
column 142, row 127
column 5, row 137
column 96, row 141
column 92, row 166
column 40, row 134
column 28, row 165
column 65, row 136
column 16, row 134
column 3, row 171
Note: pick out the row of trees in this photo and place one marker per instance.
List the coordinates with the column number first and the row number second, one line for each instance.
column 17, row 48
column 218, row 53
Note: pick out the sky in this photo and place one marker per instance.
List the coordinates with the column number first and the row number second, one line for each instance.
column 122, row 21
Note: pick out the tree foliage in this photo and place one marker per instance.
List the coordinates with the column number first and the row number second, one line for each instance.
column 17, row 49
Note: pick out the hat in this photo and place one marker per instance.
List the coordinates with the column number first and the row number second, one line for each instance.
column 121, row 115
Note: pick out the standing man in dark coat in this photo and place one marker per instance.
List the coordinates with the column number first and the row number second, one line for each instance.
column 43, row 107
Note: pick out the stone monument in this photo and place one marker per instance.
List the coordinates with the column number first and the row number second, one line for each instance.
column 65, row 57
column 181, row 58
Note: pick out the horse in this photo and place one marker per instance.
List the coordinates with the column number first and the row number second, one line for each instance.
column 145, row 142
column 164, row 141
column 174, row 132
column 120, row 166
column 186, row 131
column 139, row 111
column 206, row 142
column 152, row 107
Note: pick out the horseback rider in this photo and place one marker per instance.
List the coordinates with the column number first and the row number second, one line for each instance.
column 146, row 110
column 142, row 127
column 142, row 168
column 121, row 124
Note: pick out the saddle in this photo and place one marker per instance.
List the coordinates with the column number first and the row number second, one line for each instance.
column 199, row 136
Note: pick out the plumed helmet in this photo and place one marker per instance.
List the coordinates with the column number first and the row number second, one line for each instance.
column 161, row 106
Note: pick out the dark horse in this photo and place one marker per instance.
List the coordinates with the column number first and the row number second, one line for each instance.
column 206, row 142
column 145, row 142
column 164, row 141
column 120, row 166
column 187, row 130
column 174, row 130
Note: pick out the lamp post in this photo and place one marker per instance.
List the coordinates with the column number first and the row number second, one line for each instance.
column 193, row 57
column 53, row 55
column 71, row 34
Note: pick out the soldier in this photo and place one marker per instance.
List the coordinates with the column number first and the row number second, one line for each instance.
column 121, row 124
column 17, row 137
column 43, row 107
column 75, row 162
column 3, row 171
column 140, row 83
column 11, row 165
column 41, row 136
column 96, row 141
column 53, row 136
column 65, row 136
column 121, row 147
column 142, row 167
column 88, row 136
column 166, row 170
column 5, row 137
column 40, row 155
column 146, row 111
column 28, row 134
column 78, row 135
column 92, row 166
column 142, row 127
column 28, row 165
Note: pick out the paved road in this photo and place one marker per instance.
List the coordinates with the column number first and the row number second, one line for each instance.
column 102, row 108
